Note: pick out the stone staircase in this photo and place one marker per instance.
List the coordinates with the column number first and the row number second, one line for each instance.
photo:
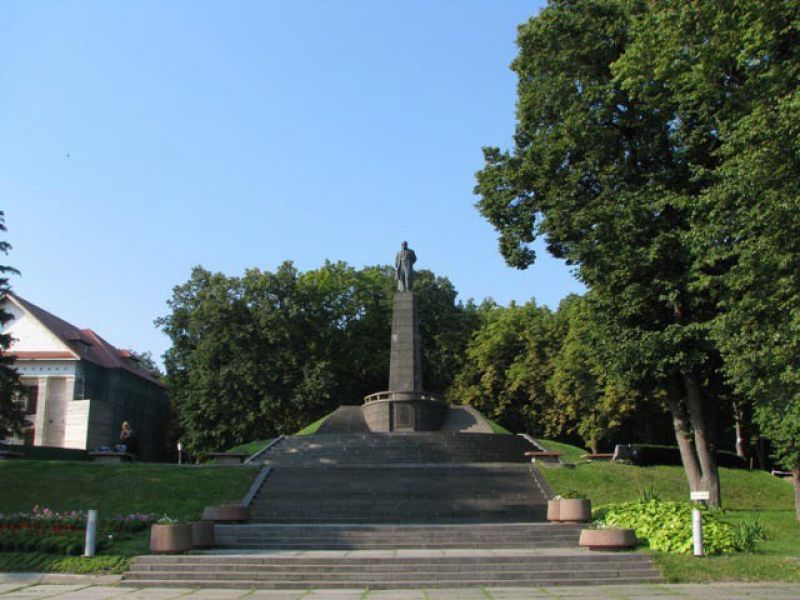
column 406, row 493
column 380, row 449
column 400, row 478
column 347, row 508
column 413, row 569
column 262, row 536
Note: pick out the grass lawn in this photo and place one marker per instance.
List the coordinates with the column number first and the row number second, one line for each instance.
column 249, row 448
column 745, row 495
column 181, row 492
column 312, row 428
column 253, row 447
column 496, row 427
column 569, row 454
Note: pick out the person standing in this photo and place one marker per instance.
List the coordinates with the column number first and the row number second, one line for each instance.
column 127, row 438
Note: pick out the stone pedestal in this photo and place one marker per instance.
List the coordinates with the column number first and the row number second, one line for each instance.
column 405, row 359
column 405, row 407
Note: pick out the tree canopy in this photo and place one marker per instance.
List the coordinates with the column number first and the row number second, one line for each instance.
column 12, row 412
column 267, row 352
column 624, row 160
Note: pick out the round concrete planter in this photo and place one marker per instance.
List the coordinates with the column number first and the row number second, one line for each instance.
column 607, row 539
column 553, row 510
column 202, row 534
column 170, row 539
column 226, row 513
column 575, row 510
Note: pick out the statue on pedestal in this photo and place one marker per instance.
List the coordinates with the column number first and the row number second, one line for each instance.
column 404, row 268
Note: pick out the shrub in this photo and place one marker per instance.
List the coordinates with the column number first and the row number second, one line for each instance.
column 748, row 533
column 573, row 495
column 667, row 526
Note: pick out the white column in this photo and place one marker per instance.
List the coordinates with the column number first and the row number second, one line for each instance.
column 40, row 420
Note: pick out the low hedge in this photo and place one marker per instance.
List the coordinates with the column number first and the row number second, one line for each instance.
column 648, row 455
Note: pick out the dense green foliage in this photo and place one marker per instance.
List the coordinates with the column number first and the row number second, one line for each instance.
column 667, row 526
column 645, row 154
column 536, row 370
column 12, row 413
column 277, row 349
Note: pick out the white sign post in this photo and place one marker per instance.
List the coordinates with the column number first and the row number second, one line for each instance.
column 91, row 533
column 697, row 521
column 697, row 532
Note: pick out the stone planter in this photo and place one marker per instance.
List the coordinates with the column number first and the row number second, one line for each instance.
column 607, row 539
column 575, row 510
column 226, row 513
column 170, row 539
column 202, row 534
column 553, row 510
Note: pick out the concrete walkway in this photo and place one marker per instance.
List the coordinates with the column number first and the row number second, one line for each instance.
column 77, row 587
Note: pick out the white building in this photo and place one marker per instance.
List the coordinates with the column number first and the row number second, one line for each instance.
column 80, row 387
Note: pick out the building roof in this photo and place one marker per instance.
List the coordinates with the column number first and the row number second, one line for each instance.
column 84, row 343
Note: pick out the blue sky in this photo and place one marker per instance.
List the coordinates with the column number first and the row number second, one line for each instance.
column 142, row 138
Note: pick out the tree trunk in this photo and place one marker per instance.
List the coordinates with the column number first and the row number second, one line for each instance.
column 738, row 416
column 761, row 454
column 704, row 442
column 683, row 435
column 796, row 481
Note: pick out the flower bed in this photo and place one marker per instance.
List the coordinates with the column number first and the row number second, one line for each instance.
column 44, row 530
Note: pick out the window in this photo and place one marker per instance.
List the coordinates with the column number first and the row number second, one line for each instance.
column 30, row 396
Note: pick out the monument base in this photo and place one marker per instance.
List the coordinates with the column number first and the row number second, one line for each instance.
column 403, row 411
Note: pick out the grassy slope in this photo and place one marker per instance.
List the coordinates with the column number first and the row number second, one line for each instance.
column 120, row 489
column 112, row 489
column 312, row 428
column 253, row 447
column 249, row 447
column 569, row 454
column 745, row 495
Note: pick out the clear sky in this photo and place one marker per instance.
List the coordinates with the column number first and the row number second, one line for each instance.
column 142, row 138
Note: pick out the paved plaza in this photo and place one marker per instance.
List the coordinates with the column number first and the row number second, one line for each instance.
column 66, row 587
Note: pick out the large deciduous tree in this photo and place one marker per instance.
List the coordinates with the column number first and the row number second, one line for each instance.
column 12, row 412
column 727, row 75
column 601, row 175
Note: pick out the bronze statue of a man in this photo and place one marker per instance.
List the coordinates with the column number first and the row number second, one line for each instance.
column 404, row 268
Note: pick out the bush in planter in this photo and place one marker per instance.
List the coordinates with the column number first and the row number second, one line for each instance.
column 168, row 535
column 667, row 526
column 574, row 507
column 573, row 495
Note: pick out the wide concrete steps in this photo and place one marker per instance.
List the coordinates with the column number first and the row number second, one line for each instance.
column 394, row 537
column 397, row 448
column 417, row 570
column 404, row 493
